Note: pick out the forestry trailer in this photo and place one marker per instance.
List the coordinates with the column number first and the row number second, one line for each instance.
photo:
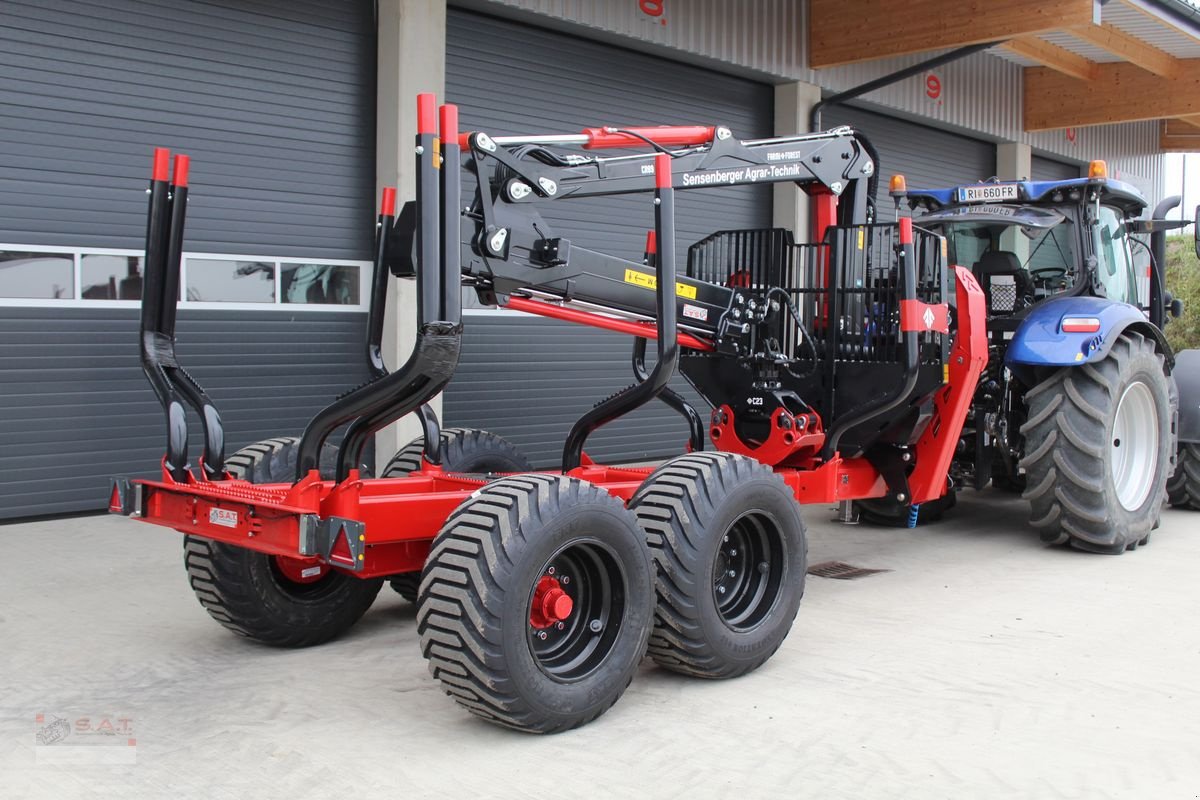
column 837, row 369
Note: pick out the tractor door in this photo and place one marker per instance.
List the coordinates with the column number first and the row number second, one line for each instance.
column 1115, row 275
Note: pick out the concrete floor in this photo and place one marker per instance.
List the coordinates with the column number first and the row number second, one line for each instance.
column 983, row 665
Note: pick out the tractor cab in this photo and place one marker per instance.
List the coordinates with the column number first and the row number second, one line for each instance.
column 1029, row 241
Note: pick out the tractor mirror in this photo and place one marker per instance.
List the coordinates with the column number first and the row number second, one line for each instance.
column 1196, row 231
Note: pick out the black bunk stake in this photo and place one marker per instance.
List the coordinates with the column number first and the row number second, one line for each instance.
column 439, row 341
column 634, row 397
column 669, row 396
column 157, row 348
column 213, row 460
column 160, row 294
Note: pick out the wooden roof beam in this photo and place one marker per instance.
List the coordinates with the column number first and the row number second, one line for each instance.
column 1194, row 121
column 1176, row 136
column 1056, row 58
column 1130, row 48
column 845, row 33
column 1120, row 93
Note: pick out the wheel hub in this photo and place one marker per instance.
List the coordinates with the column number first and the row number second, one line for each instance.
column 551, row 603
column 575, row 611
column 302, row 572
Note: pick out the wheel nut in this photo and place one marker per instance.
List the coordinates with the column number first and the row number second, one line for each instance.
column 721, row 589
column 564, row 580
column 542, row 635
column 560, row 626
column 763, row 567
column 595, row 626
column 733, row 552
column 732, row 574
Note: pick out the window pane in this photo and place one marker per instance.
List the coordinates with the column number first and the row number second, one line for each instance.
column 323, row 284
column 211, row 280
column 37, row 275
column 107, row 277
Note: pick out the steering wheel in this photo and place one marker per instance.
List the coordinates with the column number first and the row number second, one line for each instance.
column 1046, row 274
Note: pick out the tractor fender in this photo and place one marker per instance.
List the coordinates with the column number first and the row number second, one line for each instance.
column 1187, row 378
column 1041, row 342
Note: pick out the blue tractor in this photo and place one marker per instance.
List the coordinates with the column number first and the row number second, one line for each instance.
column 1083, row 407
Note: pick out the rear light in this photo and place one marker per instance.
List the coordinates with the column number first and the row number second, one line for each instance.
column 1080, row 325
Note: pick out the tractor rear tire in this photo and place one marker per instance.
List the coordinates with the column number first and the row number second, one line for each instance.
column 887, row 513
column 536, row 602
column 1082, row 487
column 463, row 450
column 275, row 600
column 1183, row 490
column 730, row 553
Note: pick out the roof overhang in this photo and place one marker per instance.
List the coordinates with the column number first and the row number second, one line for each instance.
column 1086, row 62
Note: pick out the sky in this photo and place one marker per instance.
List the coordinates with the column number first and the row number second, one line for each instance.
column 1177, row 166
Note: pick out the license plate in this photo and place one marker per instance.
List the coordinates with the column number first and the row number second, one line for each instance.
column 992, row 191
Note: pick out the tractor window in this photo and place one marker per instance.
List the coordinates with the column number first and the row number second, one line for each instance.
column 1115, row 268
column 1046, row 255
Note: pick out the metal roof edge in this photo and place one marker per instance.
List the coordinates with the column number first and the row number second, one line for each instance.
column 1175, row 12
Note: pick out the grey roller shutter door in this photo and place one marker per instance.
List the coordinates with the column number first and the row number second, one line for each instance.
column 1047, row 169
column 927, row 157
column 528, row 379
column 75, row 408
column 274, row 100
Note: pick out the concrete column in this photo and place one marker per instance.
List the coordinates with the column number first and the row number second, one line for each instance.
column 1014, row 161
column 411, row 59
column 793, row 102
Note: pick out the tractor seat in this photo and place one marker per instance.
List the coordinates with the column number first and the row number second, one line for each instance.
column 1006, row 285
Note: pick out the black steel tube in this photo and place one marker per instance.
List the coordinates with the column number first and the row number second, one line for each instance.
column 379, row 285
column 912, row 362
column 671, row 398
column 639, row 394
column 450, row 224
column 1158, row 258
column 428, row 213
column 814, row 117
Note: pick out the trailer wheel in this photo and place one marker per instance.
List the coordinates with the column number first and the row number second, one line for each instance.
column 278, row 601
column 1097, row 474
column 886, row 512
column 730, row 551
column 1183, row 490
column 463, row 450
column 536, row 600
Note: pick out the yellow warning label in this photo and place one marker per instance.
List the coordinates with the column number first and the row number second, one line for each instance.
column 860, row 239
column 437, row 152
column 650, row 282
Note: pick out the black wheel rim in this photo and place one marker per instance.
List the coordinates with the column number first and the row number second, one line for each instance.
column 749, row 570
column 571, row 648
